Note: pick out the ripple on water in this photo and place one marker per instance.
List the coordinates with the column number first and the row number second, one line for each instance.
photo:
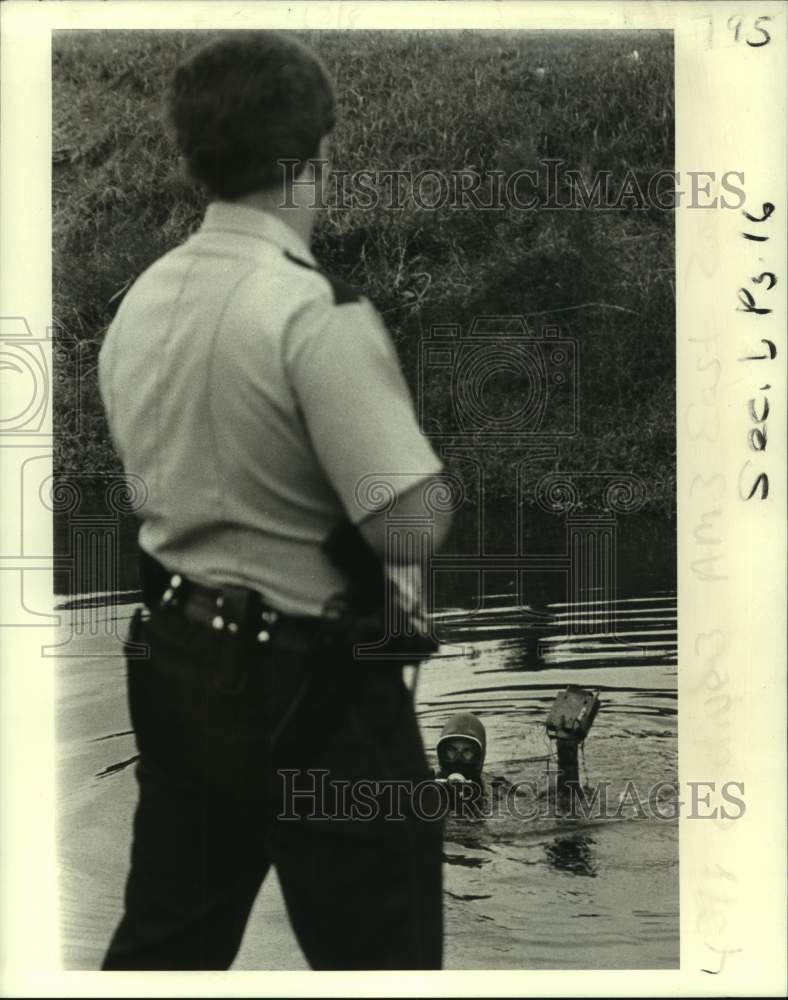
column 544, row 893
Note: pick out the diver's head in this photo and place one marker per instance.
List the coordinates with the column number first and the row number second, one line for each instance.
column 461, row 747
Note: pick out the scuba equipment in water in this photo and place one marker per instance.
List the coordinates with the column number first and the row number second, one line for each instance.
column 571, row 716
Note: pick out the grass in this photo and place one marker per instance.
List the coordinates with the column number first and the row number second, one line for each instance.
column 451, row 101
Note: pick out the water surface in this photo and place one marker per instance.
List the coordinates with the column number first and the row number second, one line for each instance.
column 519, row 894
column 546, row 892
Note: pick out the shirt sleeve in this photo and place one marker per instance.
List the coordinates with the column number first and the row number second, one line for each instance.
column 356, row 405
column 106, row 376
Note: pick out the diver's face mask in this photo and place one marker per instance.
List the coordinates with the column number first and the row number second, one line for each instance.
column 458, row 755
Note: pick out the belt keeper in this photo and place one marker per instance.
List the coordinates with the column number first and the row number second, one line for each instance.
column 234, row 603
column 169, row 599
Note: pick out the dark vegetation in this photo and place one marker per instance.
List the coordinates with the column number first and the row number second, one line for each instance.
column 453, row 101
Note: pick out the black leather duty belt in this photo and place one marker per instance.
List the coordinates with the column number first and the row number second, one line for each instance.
column 233, row 609
column 236, row 611
column 241, row 614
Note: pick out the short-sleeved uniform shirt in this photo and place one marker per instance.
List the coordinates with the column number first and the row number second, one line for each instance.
column 253, row 395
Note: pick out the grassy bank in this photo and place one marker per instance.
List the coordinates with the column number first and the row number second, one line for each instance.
column 452, row 102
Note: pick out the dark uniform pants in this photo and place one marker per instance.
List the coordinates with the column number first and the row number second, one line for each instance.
column 216, row 774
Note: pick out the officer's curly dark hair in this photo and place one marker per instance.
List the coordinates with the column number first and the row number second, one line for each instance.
column 242, row 104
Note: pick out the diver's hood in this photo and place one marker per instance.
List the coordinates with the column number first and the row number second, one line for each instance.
column 467, row 725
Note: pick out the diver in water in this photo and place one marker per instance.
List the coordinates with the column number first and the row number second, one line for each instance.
column 461, row 750
column 462, row 747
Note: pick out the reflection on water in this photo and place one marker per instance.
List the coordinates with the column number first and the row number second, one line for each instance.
column 548, row 892
column 523, row 893
column 572, row 854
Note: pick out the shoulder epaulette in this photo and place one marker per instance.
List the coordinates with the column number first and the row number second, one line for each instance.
column 343, row 292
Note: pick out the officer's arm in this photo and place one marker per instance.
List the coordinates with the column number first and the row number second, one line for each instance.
column 409, row 504
column 360, row 417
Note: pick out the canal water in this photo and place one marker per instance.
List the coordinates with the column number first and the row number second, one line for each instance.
column 525, row 889
column 521, row 892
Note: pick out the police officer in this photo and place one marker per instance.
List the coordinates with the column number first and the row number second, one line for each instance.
column 253, row 394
